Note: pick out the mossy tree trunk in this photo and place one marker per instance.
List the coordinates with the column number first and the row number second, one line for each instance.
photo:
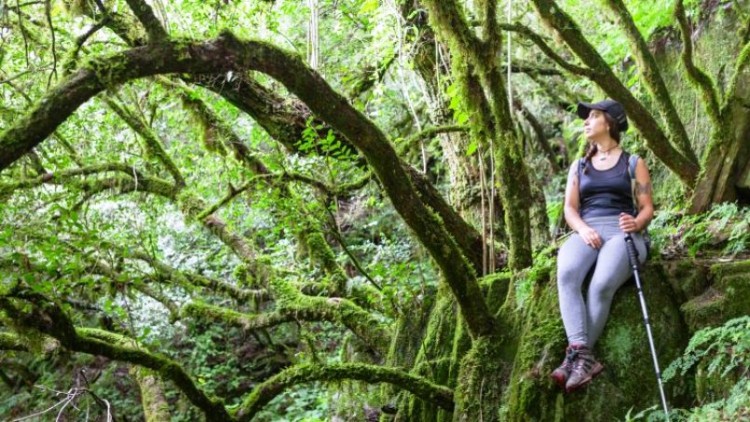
column 482, row 333
column 475, row 67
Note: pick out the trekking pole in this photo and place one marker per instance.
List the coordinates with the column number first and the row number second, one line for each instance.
column 633, row 256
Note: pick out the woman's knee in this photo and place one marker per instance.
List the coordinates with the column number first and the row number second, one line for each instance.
column 602, row 292
column 570, row 276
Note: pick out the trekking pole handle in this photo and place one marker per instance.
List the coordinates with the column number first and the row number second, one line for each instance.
column 632, row 252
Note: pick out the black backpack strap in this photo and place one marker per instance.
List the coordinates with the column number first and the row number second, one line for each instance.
column 632, row 163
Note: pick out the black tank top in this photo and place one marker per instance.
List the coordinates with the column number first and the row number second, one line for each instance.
column 606, row 192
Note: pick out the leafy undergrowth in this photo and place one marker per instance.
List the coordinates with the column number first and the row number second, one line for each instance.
column 721, row 358
column 723, row 231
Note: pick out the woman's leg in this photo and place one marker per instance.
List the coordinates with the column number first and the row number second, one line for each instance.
column 612, row 271
column 573, row 263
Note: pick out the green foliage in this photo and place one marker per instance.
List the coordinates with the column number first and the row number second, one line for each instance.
column 716, row 353
column 126, row 260
column 724, row 227
column 720, row 353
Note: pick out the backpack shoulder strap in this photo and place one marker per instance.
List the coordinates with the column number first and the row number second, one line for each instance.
column 579, row 165
column 632, row 162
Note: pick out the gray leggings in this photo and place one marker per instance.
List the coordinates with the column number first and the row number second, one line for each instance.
column 584, row 321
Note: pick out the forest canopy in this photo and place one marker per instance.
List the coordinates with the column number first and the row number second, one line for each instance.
column 247, row 210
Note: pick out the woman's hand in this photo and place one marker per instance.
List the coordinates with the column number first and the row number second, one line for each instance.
column 591, row 237
column 628, row 224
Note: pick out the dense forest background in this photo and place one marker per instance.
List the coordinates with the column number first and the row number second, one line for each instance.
column 350, row 209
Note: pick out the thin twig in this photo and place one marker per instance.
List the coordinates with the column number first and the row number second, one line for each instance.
column 48, row 14
column 23, row 32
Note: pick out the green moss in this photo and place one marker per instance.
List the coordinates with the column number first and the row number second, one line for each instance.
column 731, row 268
column 495, row 288
column 153, row 400
column 628, row 379
column 621, row 342
column 189, row 204
column 481, row 382
column 437, row 395
column 434, row 360
column 688, row 277
column 728, row 296
column 321, row 253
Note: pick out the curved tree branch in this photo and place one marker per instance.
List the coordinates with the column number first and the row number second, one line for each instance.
column 430, row 132
column 700, row 79
column 537, row 39
column 153, row 146
column 286, row 119
column 48, row 318
column 195, row 280
column 132, row 180
column 228, row 53
column 654, row 81
column 145, row 15
column 345, row 312
column 268, row 390
column 603, row 76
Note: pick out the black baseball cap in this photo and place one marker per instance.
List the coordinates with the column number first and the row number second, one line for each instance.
column 611, row 107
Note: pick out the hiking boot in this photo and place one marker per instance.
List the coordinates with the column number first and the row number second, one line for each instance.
column 585, row 367
column 561, row 373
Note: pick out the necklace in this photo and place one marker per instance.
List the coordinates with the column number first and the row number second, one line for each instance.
column 606, row 151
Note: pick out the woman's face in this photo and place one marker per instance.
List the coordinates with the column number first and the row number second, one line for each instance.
column 595, row 126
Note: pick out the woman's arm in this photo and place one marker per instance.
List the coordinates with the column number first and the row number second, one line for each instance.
column 628, row 224
column 643, row 194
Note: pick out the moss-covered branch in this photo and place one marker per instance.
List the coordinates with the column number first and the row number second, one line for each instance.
column 655, row 137
column 247, row 322
column 152, row 144
column 370, row 329
column 153, row 399
column 228, row 53
column 10, row 341
column 494, row 122
column 231, row 194
column 742, row 60
column 700, row 79
column 131, row 180
column 190, row 280
column 533, row 70
column 145, row 15
column 488, row 17
column 271, row 388
column 537, row 39
column 653, row 79
column 428, row 133
column 44, row 316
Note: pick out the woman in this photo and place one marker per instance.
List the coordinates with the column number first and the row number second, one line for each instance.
column 599, row 207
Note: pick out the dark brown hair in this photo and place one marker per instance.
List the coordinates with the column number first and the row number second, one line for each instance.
column 614, row 133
